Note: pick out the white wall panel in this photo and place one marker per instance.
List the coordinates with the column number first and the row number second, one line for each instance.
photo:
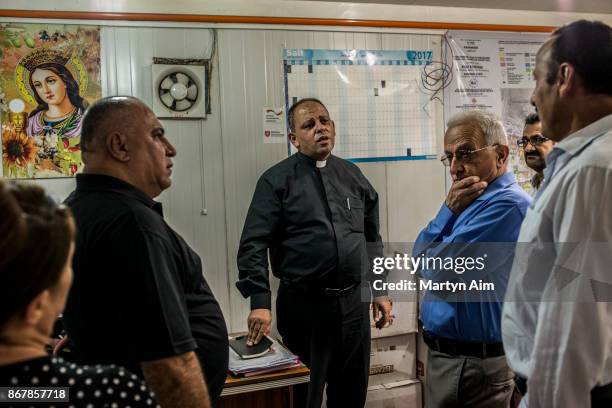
column 123, row 60
column 416, row 192
column 58, row 188
column 377, row 175
column 142, row 42
column 108, row 70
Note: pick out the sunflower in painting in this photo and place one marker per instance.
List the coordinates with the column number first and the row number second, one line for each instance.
column 18, row 150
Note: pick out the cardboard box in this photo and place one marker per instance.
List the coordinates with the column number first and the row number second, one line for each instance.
column 399, row 394
column 393, row 355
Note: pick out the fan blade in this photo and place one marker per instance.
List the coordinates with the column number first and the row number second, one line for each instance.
column 166, row 83
column 167, row 99
column 182, row 78
column 183, row 105
column 192, row 92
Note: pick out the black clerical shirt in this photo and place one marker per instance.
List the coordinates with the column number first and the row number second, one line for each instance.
column 138, row 292
column 314, row 221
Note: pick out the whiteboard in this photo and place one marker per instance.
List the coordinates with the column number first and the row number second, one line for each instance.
column 373, row 96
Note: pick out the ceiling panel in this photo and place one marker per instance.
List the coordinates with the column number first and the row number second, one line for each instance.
column 576, row 6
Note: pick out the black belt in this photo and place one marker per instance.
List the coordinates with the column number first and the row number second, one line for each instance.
column 601, row 396
column 325, row 292
column 462, row 348
column 336, row 292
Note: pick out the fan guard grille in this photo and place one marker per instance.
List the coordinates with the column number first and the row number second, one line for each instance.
column 178, row 91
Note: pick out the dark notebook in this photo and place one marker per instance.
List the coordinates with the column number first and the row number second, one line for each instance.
column 238, row 344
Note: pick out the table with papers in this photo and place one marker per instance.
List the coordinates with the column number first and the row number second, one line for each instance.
column 265, row 381
column 277, row 358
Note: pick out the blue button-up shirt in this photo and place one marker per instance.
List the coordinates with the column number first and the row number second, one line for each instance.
column 494, row 217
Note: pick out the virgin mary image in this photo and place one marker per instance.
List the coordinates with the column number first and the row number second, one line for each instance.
column 55, row 123
column 49, row 74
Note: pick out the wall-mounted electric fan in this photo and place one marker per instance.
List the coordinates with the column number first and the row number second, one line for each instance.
column 179, row 91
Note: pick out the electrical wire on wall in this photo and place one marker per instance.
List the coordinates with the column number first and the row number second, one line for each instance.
column 209, row 68
column 439, row 74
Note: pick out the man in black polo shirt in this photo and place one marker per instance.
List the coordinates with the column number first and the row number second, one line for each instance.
column 139, row 298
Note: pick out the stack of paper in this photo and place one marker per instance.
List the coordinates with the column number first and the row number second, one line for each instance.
column 278, row 359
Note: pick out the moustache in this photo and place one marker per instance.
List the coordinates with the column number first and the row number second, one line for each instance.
column 320, row 137
column 533, row 154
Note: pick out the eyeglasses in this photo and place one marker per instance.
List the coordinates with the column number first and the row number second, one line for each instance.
column 463, row 156
column 535, row 140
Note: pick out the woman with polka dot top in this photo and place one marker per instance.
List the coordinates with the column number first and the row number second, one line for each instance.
column 36, row 247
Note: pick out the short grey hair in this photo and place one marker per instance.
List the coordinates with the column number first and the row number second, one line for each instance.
column 489, row 123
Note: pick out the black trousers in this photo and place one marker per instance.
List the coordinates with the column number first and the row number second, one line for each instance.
column 213, row 358
column 331, row 335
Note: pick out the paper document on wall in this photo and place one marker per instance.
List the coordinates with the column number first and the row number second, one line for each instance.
column 494, row 72
column 274, row 125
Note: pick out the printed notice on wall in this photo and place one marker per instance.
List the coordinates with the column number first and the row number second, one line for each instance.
column 274, row 125
column 477, row 76
column 517, row 61
column 494, row 72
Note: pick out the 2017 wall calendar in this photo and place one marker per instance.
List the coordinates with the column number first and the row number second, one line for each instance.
column 373, row 96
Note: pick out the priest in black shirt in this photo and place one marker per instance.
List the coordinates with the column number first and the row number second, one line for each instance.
column 139, row 298
column 314, row 213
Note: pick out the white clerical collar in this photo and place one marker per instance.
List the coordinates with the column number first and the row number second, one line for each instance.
column 321, row 163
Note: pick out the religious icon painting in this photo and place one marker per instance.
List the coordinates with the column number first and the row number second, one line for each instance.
column 49, row 74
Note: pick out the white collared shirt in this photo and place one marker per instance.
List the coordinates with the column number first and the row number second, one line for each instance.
column 556, row 325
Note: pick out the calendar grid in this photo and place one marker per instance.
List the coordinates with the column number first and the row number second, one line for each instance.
column 373, row 96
